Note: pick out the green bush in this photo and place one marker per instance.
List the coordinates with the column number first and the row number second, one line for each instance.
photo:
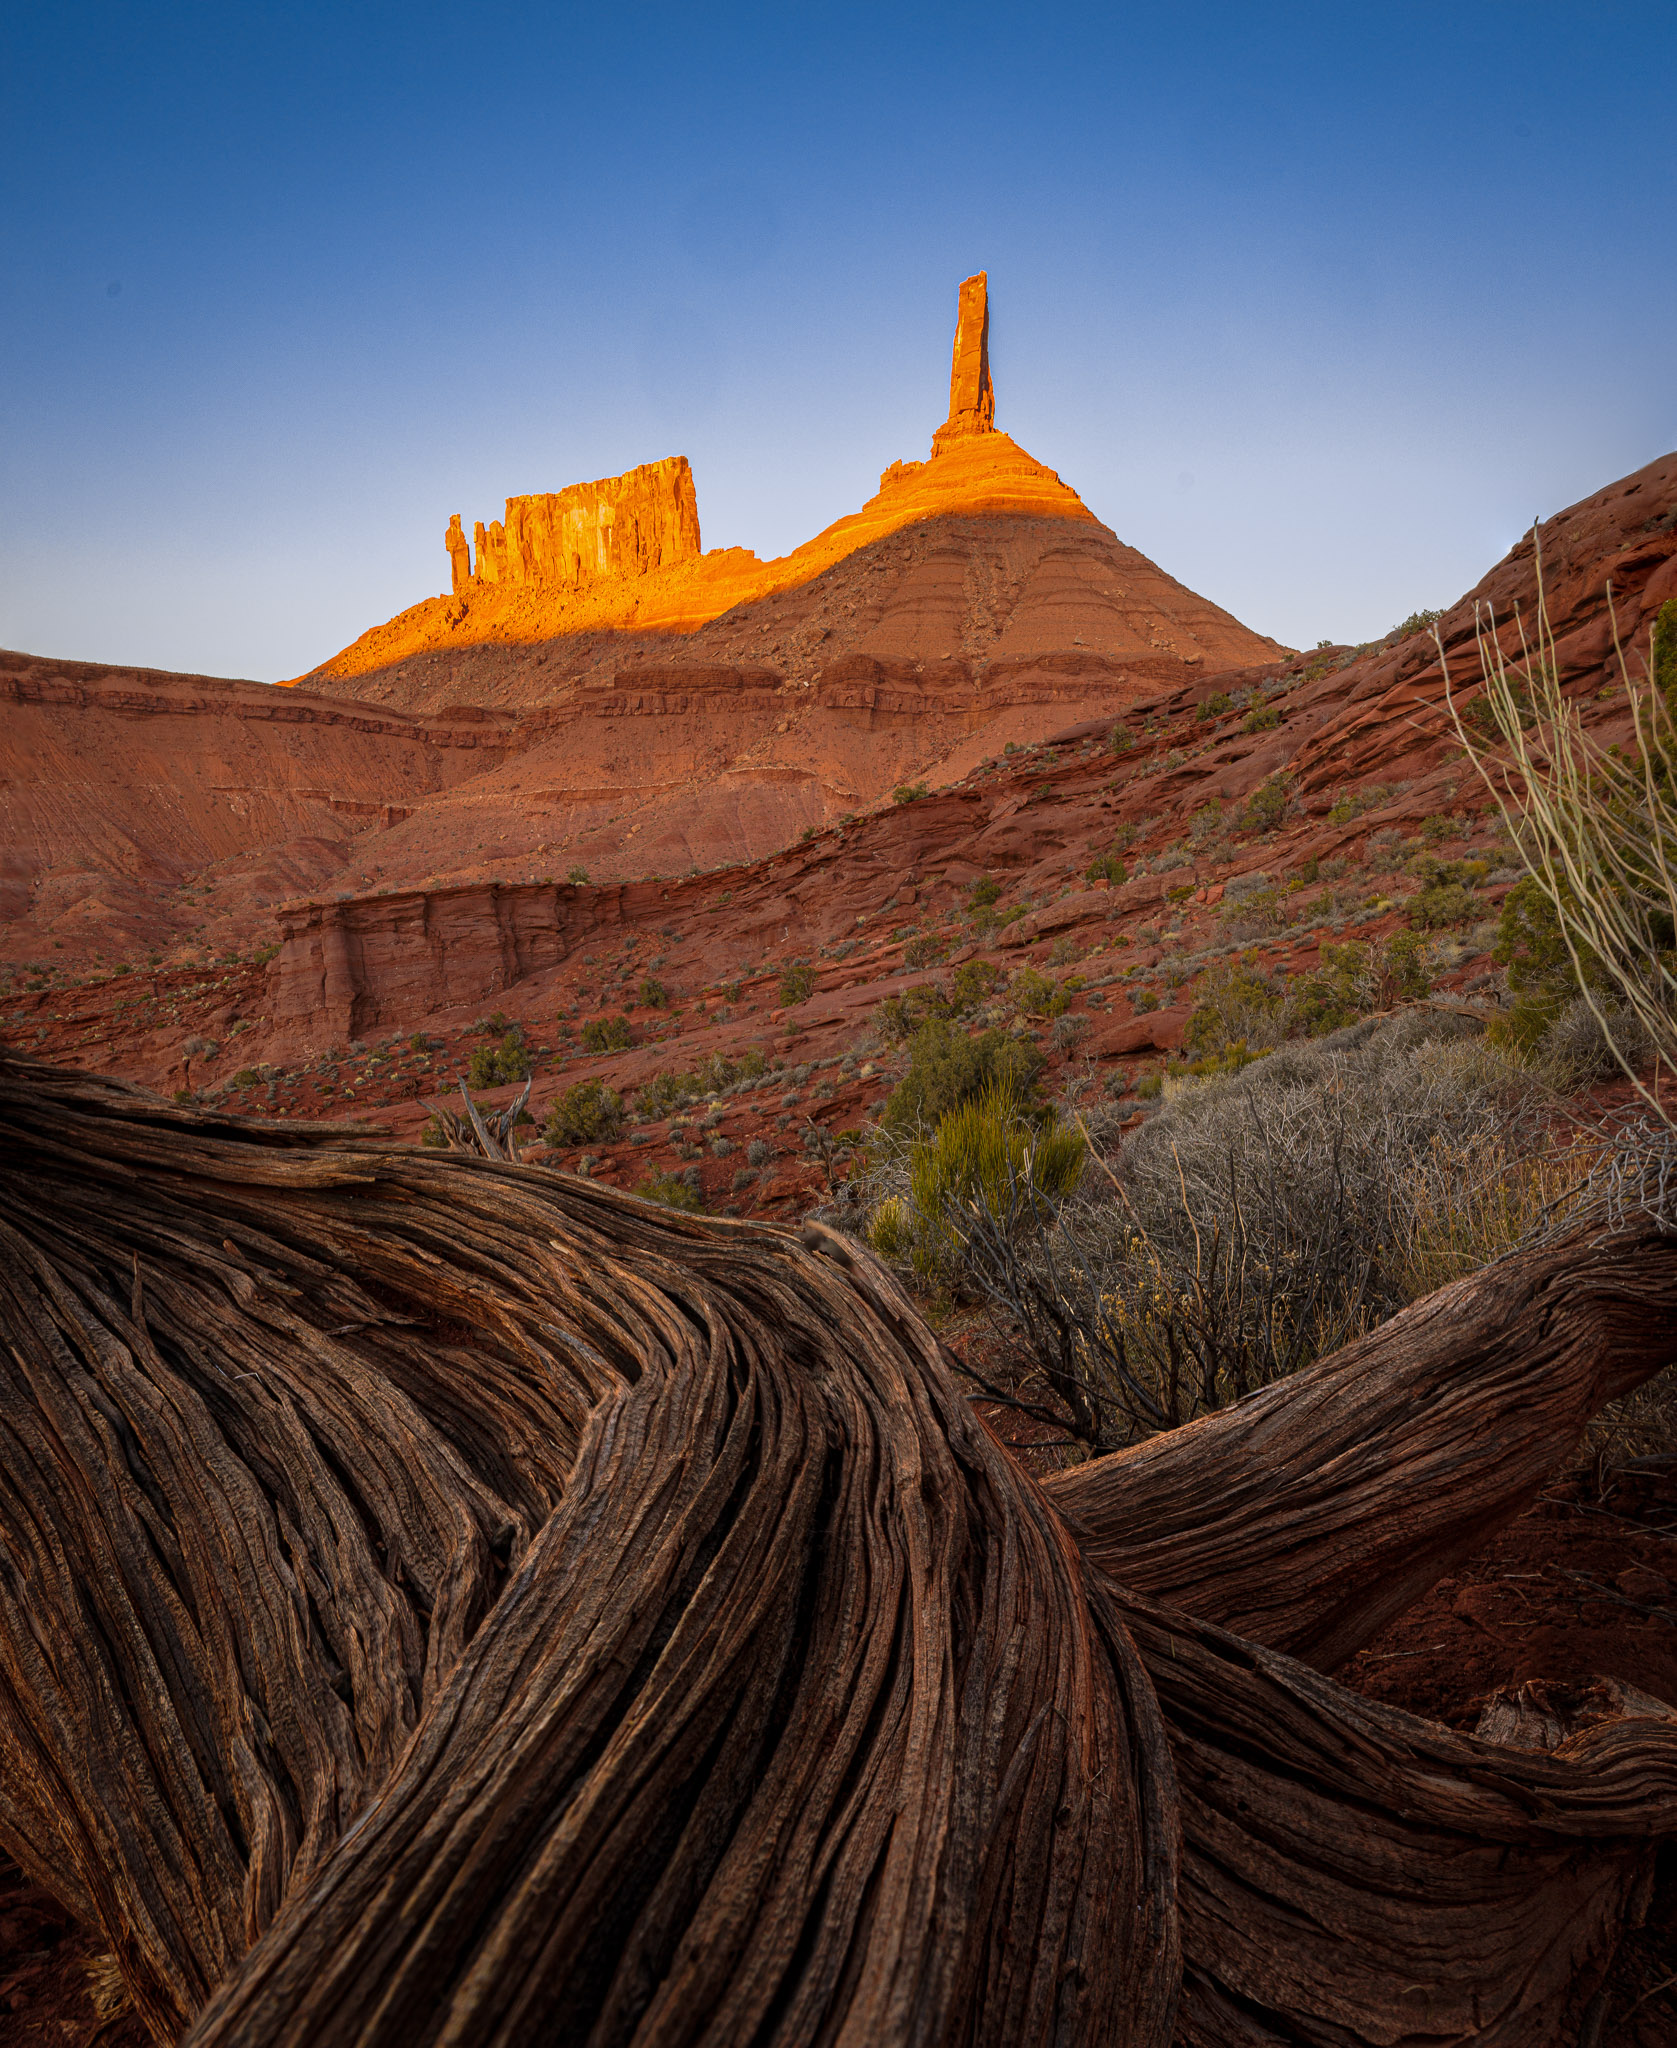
column 797, row 985
column 1142, row 1000
column 1216, row 705
column 900, row 1016
column 668, row 1092
column 973, row 983
column 1106, row 867
column 1267, row 805
column 493, row 1066
column 653, row 994
column 672, row 1191
column 1120, row 739
column 247, row 1077
column 1262, row 719
column 577, row 877
column 984, row 1150
column 1150, row 1087
column 1234, row 1003
column 1353, row 803
column 586, row 1113
column 925, row 949
column 1406, row 960
column 985, row 892
column 607, row 1034
column 947, row 1068
column 1441, row 904
column 1034, row 994
column 909, row 792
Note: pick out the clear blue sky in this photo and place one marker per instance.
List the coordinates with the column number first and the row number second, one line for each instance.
column 1317, row 305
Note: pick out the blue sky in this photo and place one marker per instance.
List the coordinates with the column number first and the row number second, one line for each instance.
column 1317, row 305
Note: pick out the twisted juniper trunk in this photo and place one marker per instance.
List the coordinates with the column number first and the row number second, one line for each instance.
column 445, row 1601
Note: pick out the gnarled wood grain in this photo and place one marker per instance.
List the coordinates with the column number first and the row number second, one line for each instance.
column 443, row 1601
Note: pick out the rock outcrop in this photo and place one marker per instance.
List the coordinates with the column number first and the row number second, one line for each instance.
column 972, row 400
column 459, row 555
column 617, row 527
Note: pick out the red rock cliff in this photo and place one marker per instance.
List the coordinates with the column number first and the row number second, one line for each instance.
column 618, row 526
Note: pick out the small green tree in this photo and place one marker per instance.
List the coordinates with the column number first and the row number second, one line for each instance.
column 607, row 1034
column 947, row 1068
column 494, row 1066
column 587, row 1113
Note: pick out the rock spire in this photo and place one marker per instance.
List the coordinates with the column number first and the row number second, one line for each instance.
column 972, row 399
column 459, row 554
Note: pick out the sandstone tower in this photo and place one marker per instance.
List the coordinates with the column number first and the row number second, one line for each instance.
column 972, row 400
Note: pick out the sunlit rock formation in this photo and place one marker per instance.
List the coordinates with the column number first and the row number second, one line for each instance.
column 617, row 527
column 459, row 556
column 972, row 400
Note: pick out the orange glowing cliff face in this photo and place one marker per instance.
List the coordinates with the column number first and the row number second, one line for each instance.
column 622, row 554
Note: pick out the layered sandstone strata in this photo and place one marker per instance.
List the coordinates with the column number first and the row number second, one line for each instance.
column 615, row 528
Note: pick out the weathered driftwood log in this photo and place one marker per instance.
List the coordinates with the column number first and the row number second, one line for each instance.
column 445, row 1601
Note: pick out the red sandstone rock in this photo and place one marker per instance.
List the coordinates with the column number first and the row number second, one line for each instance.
column 972, row 401
column 459, row 555
column 616, row 528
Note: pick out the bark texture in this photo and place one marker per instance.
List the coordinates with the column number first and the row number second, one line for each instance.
column 444, row 1601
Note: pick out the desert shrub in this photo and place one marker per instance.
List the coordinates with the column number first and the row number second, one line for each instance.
column 760, row 1152
column 1417, row 622
column 664, row 1094
column 984, row 892
column 985, row 1152
column 672, row 1191
column 972, row 983
column 587, row 1113
column 1441, row 904
column 653, row 994
column 607, row 1034
column 1239, row 1002
column 576, row 877
column 1373, row 796
column 946, row 1067
column 797, row 985
column 1216, row 705
column 1577, row 1047
column 1268, row 804
column 1034, row 994
column 1106, row 867
column 1269, row 1215
column 925, row 949
column 493, row 1066
column 899, row 1016
column 1262, row 719
column 1120, row 739
column 1257, row 914
column 909, row 792
column 1143, row 1000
